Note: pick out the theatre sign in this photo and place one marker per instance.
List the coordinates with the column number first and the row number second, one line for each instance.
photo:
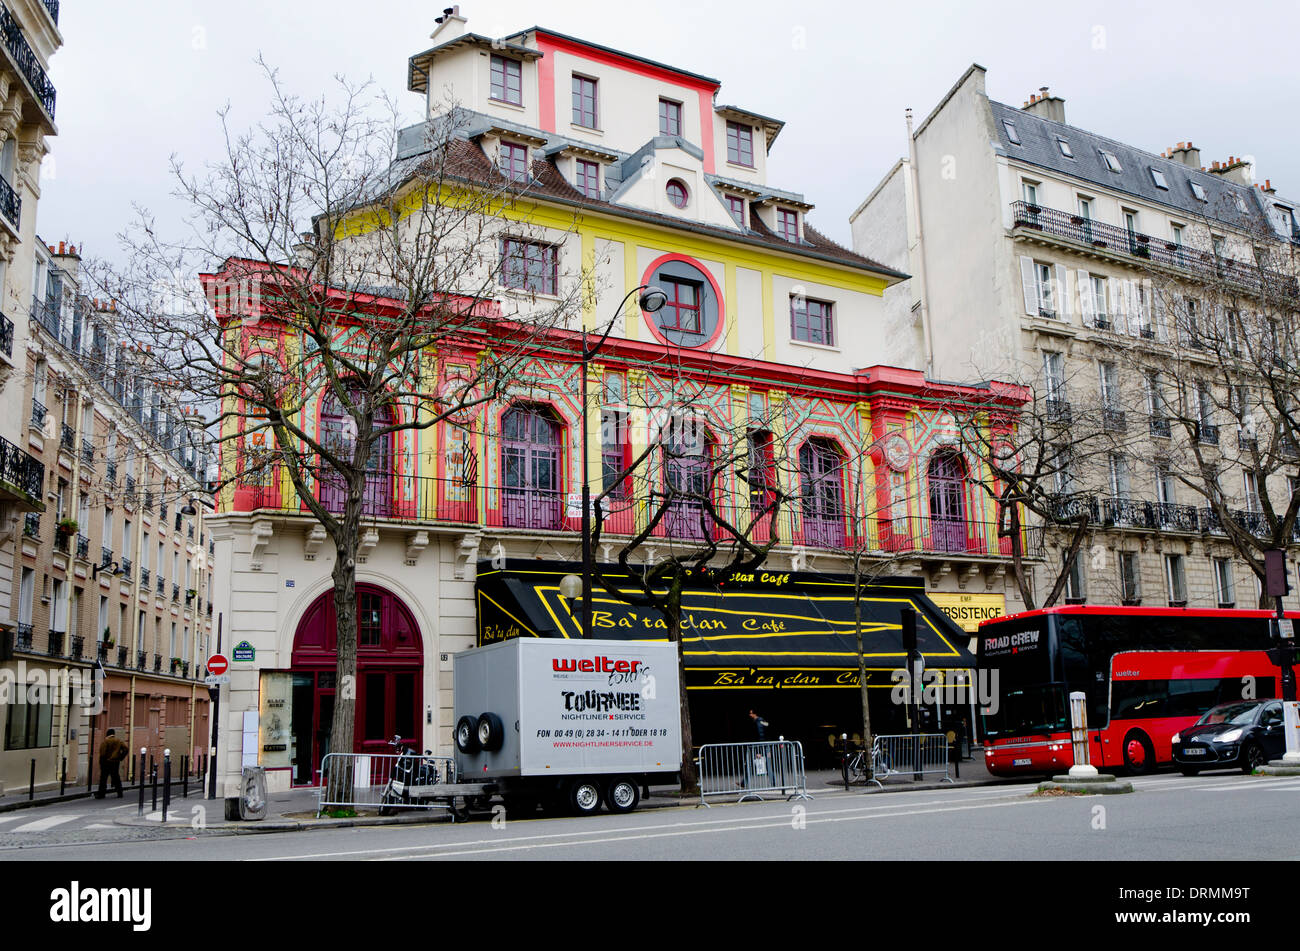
column 968, row 610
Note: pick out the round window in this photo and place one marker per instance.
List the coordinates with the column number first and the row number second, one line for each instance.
column 690, row 316
column 677, row 193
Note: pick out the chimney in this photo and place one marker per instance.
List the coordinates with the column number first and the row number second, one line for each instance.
column 1046, row 105
column 1237, row 170
column 451, row 25
column 1187, row 154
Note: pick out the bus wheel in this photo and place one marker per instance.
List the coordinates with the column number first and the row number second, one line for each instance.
column 1139, row 757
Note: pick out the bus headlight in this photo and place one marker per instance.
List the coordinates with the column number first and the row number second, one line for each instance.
column 1232, row 736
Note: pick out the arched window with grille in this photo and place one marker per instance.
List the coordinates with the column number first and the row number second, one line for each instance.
column 338, row 433
column 822, row 482
column 948, row 502
column 687, row 482
column 530, row 469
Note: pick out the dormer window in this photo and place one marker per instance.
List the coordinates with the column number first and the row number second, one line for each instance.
column 1112, row 162
column 736, row 205
column 1241, row 202
column 1012, row 135
column 740, row 144
column 587, row 178
column 787, row 225
column 1064, row 146
column 1199, row 191
column 507, row 81
column 512, row 161
column 1158, row 177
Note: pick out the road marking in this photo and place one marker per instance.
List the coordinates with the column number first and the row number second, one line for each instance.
column 101, row 825
column 11, row 818
column 687, row 827
column 49, row 822
column 1245, row 783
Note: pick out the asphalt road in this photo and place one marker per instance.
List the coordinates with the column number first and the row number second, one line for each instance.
column 1211, row 817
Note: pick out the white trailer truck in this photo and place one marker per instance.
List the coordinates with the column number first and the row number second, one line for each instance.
column 570, row 724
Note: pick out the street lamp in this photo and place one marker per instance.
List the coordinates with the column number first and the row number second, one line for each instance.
column 652, row 299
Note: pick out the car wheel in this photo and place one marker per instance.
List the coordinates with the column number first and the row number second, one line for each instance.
column 1252, row 757
column 584, row 797
column 1139, row 757
column 491, row 732
column 467, row 735
column 1188, row 770
column 622, row 794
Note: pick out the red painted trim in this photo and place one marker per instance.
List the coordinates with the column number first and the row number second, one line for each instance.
column 722, row 304
column 546, row 90
column 549, row 43
column 707, row 118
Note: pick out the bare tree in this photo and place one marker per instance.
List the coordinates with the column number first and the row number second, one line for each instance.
column 357, row 302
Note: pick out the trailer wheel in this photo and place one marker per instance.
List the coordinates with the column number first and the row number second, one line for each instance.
column 622, row 794
column 584, row 796
column 491, row 732
column 467, row 735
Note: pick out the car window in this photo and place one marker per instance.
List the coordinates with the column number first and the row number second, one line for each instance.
column 1272, row 714
column 1237, row 713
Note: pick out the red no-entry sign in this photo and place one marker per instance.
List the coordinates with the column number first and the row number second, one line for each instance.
column 218, row 664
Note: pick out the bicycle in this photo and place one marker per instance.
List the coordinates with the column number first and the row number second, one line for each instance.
column 856, row 766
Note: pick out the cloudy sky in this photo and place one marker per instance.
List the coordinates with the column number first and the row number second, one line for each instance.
column 139, row 80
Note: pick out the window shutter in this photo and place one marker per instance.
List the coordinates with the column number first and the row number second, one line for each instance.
column 1062, row 298
column 1087, row 308
column 1158, row 315
column 1029, row 284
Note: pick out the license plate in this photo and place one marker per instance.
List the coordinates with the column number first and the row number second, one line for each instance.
column 1021, row 762
column 1193, row 751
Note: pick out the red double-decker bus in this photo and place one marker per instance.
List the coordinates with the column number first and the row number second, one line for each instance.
column 1147, row 673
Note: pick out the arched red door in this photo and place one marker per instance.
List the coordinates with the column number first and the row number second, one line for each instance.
column 388, row 692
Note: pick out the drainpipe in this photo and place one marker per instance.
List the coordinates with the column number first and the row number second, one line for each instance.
column 918, row 265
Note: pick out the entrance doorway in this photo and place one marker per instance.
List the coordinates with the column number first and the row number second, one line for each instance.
column 387, row 693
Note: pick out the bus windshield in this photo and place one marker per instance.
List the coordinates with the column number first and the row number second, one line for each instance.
column 1029, row 710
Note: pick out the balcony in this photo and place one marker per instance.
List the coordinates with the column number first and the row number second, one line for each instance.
column 1067, row 508
column 25, row 57
column 38, row 413
column 54, row 647
column 141, row 659
column 105, row 557
column 7, row 336
column 1113, row 420
column 78, row 644
column 20, row 472
column 122, row 654
column 11, row 206
column 1171, row 517
column 157, row 663
column 83, row 547
column 161, row 586
column 32, row 525
column 87, row 452
column 61, row 541
column 1128, row 513
column 67, row 438
column 1058, row 412
column 176, row 593
column 110, row 471
column 23, row 637
column 1143, row 250
column 1160, row 426
column 1207, row 434
column 144, row 578
column 126, row 568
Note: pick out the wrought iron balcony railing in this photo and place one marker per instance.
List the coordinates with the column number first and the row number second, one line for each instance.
column 1171, row 517
column 21, row 470
column 1160, row 426
column 23, row 637
column 53, row 7
column 83, row 547
column 1113, row 420
column 126, row 567
column 55, row 645
column 1128, row 513
column 1145, row 248
column 1058, row 411
column 161, row 586
column 1207, row 434
column 176, row 592
column 32, row 525
column 105, row 557
column 11, row 204
column 157, row 663
column 67, row 438
column 28, row 64
column 6, row 336
column 121, row 656
column 110, row 470
column 78, row 643
column 38, row 413
column 87, row 452
column 144, row 577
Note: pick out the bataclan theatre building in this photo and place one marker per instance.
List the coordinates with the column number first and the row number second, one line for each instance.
column 778, row 642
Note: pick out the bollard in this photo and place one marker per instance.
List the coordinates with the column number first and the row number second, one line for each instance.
column 185, row 781
column 31, row 784
column 63, row 777
column 153, row 780
column 90, row 758
column 139, row 777
column 1079, row 735
column 167, row 783
column 844, row 758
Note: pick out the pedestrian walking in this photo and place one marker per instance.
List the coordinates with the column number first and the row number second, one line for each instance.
column 756, row 763
column 111, row 753
column 760, row 725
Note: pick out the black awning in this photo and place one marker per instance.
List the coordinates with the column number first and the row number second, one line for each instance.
column 769, row 624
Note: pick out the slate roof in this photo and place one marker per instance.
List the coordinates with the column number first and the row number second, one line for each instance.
column 1038, row 146
column 467, row 161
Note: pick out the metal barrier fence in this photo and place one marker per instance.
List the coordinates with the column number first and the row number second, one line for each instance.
column 747, row 770
column 909, row 753
column 377, row 781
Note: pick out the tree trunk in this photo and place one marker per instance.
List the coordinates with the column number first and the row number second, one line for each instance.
column 673, row 610
column 343, row 725
column 862, row 665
